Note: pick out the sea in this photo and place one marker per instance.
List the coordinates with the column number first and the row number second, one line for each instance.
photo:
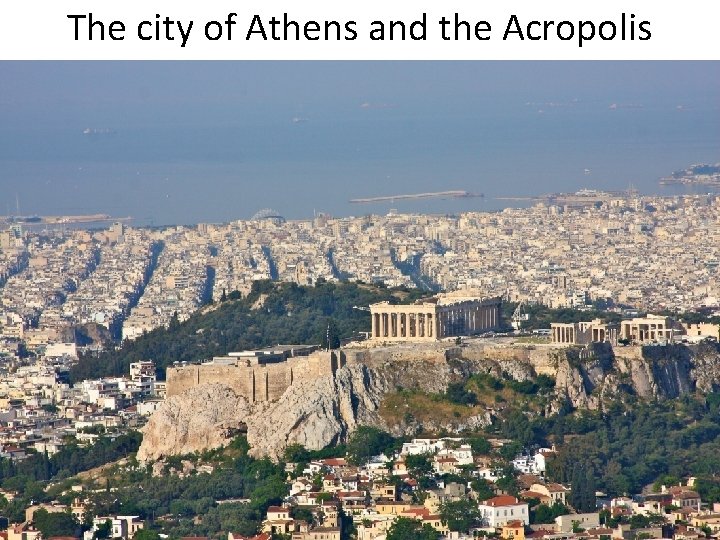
column 189, row 162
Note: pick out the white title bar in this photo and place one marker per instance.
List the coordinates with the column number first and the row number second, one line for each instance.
column 369, row 30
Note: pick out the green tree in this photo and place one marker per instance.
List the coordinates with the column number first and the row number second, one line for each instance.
column 367, row 442
column 411, row 529
column 334, row 335
column 479, row 445
column 456, row 393
column 296, row 453
column 104, row 530
column 510, row 450
column 461, row 515
column 542, row 514
column 146, row 534
column 547, row 514
column 638, row 521
column 302, row 513
column 508, row 481
column 55, row 523
column 418, row 464
column 582, row 496
column 482, row 488
column 709, row 489
column 174, row 323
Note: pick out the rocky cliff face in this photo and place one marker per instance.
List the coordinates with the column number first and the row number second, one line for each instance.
column 647, row 372
column 314, row 413
column 203, row 417
column 326, row 410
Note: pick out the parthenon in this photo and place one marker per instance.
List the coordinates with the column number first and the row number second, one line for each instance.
column 434, row 319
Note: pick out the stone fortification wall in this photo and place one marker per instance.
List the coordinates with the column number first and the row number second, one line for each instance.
column 269, row 382
column 542, row 358
column 256, row 383
column 426, row 352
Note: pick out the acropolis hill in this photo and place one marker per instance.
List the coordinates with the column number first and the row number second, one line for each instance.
column 427, row 330
column 264, row 374
column 319, row 408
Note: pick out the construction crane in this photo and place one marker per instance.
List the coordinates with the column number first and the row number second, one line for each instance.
column 518, row 317
column 365, row 335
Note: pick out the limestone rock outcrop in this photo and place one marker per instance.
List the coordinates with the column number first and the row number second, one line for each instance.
column 204, row 417
column 314, row 413
column 317, row 413
column 646, row 372
column 326, row 410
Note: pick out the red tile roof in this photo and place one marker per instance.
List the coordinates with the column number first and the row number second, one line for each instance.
column 502, row 500
column 532, row 495
column 334, row 462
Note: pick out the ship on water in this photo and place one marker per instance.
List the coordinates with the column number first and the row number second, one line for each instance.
column 98, row 131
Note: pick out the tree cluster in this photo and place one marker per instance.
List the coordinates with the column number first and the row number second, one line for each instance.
column 23, row 476
column 367, row 442
column 630, row 447
column 411, row 529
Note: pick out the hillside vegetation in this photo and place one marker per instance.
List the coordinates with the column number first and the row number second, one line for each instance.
column 273, row 313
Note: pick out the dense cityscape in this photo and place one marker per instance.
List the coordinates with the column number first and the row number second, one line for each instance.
column 644, row 253
column 67, row 461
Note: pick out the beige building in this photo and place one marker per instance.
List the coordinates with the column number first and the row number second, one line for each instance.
column 513, row 530
column 652, row 328
column 434, row 319
column 320, row 533
column 649, row 329
column 12, row 326
column 566, row 523
column 23, row 531
column 554, row 492
column 702, row 330
column 584, row 332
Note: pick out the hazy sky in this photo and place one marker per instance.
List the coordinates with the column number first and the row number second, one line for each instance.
column 212, row 141
column 59, row 91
